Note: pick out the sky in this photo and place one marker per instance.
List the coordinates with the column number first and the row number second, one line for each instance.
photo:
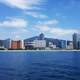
column 21, row 19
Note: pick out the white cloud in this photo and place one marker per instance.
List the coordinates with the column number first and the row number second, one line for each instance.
column 36, row 15
column 49, row 22
column 19, row 34
column 26, row 5
column 22, row 4
column 55, row 32
column 14, row 28
column 45, row 25
column 14, row 22
column 61, row 32
column 43, row 28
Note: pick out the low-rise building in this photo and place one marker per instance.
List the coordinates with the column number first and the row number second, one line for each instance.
column 29, row 45
column 52, row 46
column 1, row 43
column 7, row 43
column 41, row 44
column 16, row 44
column 70, row 45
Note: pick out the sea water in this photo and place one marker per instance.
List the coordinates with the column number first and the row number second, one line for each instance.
column 40, row 65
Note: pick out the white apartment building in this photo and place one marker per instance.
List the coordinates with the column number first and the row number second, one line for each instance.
column 51, row 45
column 70, row 46
column 39, row 44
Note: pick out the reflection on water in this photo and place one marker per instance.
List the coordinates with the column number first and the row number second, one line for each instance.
column 40, row 65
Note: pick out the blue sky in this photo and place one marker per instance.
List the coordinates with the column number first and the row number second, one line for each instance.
column 20, row 19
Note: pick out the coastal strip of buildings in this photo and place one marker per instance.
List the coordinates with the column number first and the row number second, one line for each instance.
column 41, row 43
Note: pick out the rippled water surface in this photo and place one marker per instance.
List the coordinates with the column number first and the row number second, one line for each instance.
column 42, row 65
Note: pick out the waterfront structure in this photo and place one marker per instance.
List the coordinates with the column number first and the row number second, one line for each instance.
column 78, row 44
column 22, row 42
column 16, row 44
column 62, row 44
column 52, row 41
column 35, row 42
column 38, row 40
column 76, row 41
column 69, row 44
column 29, row 45
column 52, row 46
column 7, row 43
column 1, row 43
column 59, row 44
column 40, row 44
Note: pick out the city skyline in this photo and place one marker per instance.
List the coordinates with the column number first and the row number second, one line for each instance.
column 36, row 42
column 26, row 18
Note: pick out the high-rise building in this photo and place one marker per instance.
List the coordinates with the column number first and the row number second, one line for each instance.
column 62, row 44
column 78, row 44
column 76, row 41
column 16, row 44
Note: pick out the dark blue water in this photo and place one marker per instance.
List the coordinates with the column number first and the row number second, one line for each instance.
column 40, row 65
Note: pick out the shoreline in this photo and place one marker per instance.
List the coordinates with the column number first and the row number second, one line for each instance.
column 37, row 50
